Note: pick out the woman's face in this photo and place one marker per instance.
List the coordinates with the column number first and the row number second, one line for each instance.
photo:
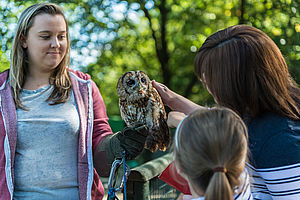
column 46, row 42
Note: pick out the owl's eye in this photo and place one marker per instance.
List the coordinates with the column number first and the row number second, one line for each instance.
column 130, row 82
column 143, row 80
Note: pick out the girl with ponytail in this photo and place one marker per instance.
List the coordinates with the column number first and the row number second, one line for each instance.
column 210, row 151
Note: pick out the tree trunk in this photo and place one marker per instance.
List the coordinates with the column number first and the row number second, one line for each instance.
column 164, row 48
column 161, row 48
column 242, row 9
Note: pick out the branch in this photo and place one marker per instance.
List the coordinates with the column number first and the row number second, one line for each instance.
column 242, row 8
column 163, row 12
column 147, row 14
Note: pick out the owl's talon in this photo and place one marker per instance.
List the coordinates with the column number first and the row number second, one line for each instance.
column 140, row 127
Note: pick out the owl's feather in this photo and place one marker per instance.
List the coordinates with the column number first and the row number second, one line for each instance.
column 140, row 102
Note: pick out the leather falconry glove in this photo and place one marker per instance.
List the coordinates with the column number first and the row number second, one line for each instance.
column 131, row 139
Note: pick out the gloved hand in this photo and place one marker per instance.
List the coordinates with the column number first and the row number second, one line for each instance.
column 131, row 139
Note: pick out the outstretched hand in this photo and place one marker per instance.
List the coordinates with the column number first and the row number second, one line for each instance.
column 175, row 101
column 165, row 93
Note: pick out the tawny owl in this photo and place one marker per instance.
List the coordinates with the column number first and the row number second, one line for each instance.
column 140, row 102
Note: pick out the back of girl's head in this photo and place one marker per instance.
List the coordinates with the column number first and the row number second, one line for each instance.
column 210, row 148
column 244, row 70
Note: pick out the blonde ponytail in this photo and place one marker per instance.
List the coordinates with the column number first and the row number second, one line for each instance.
column 219, row 188
column 211, row 149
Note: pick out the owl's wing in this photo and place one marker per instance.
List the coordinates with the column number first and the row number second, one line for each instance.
column 159, row 102
column 160, row 131
column 125, row 114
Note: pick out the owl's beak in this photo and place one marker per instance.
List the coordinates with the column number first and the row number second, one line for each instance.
column 140, row 90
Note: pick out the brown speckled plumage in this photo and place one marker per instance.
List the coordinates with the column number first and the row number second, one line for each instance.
column 140, row 102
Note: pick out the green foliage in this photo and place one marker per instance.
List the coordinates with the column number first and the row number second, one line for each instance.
column 110, row 37
column 4, row 63
column 281, row 21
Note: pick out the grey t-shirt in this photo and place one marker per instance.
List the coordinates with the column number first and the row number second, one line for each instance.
column 46, row 152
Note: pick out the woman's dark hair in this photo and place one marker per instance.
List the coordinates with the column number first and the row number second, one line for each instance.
column 244, row 70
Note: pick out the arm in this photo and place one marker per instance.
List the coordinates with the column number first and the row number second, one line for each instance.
column 101, row 133
column 175, row 101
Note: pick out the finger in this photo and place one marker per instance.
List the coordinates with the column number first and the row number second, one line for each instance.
column 138, row 126
column 141, row 130
column 133, row 151
column 158, row 86
column 136, row 138
column 134, row 126
column 144, row 132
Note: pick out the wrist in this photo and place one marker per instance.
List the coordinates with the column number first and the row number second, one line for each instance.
column 111, row 145
column 174, row 101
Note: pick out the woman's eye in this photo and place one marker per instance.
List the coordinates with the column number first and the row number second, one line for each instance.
column 130, row 82
column 61, row 37
column 45, row 37
column 143, row 80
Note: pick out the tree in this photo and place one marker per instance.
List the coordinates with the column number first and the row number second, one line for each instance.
column 4, row 63
column 163, row 43
column 172, row 31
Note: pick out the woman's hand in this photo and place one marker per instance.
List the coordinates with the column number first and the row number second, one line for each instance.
column 132, row 139
column 174, row 118
column 173, row 100
column 165, row 93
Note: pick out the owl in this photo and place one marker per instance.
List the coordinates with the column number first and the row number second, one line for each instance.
column 140, row 102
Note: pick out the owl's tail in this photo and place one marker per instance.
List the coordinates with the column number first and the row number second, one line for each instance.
column 160, row 138
column 151, row 143
column 165, row 133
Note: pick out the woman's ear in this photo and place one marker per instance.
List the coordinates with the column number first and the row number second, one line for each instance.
column 23, row 42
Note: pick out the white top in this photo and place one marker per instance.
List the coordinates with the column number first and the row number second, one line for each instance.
column 243, row 192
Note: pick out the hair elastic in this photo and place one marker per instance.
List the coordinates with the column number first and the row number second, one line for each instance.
column 176, row 133
column 220, row 169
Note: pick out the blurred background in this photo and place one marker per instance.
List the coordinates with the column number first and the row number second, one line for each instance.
column 159, row 37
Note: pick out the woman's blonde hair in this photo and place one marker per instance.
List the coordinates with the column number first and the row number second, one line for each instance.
column 19, row 60
column 211, row 148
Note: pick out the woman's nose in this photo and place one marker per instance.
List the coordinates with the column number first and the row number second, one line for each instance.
column 55, row 43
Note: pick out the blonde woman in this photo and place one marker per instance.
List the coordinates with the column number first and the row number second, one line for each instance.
column 54, row 130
